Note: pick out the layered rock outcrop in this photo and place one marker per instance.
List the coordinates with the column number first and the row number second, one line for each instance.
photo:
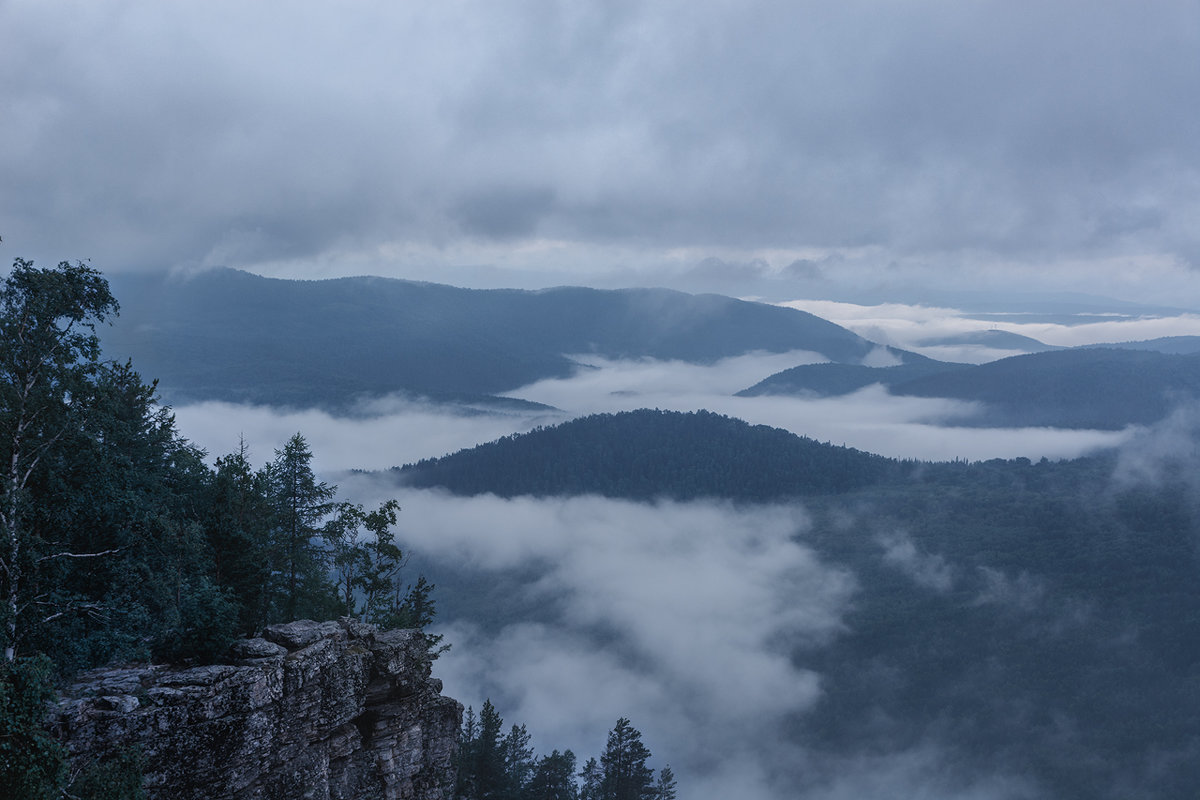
column 322, row 711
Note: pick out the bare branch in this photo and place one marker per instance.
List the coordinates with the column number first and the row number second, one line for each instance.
column 79, row 555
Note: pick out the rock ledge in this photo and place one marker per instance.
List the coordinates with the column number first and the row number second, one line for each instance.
column 321, row 711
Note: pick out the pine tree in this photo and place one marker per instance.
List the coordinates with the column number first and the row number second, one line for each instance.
column 489, row 758
column 591, row 779
column 301, row 504
column 518, row 762
column 553, row 778
column 626, row 776
column 664, row 787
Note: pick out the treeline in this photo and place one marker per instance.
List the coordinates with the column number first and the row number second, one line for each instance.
column 119, row 542
column 647, row 454
column 494, row 765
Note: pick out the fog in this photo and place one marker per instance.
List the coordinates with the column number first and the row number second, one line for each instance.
column 692, row 619
column 392, row 432
column 911, row 326
column 695, row 620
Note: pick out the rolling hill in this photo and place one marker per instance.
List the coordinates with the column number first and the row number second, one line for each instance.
column 1075, row 388
column 649, row 454
column 231, row 335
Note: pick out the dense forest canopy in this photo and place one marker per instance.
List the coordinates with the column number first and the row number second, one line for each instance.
column 119, row 541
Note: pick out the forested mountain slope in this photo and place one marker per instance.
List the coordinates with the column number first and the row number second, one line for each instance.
column 1076, row 388
column 230, row 335
column 646, row 454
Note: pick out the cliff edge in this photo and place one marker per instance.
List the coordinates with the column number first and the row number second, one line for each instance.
column 321, row 711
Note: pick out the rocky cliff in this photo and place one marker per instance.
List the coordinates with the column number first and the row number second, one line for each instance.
column 327, row 711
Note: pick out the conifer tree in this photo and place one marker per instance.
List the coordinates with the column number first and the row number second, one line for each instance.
column 301, row 504
column 626, row 776
column 518, row 762
column 591, row 780
column 664, row 787
column 553, row 778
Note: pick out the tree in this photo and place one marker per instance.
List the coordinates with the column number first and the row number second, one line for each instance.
column 553, row 778
column 626, row 776
column 664, row 787
column 32, row 763
column 488, row 769
column 591, row 781
column 518, row 762
column 49, row 360
column 238, row 523
column 301, row 504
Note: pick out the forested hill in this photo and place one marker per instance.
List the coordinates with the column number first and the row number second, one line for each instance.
column 230, row 335
column 648, row 454
column 1076, row 388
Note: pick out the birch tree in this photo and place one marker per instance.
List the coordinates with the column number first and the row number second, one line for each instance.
column 49, row 359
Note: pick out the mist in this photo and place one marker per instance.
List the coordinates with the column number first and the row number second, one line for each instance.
column 692, row 619
column 695, row 620
column 912, row 326
column 391, row 432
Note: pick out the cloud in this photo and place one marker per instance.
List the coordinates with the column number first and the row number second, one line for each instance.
column 929, row 570
column 683, row 617
column 1163, row 453
column 389, row 433
column 300, row 136
column 392, row 432
column 910, row 326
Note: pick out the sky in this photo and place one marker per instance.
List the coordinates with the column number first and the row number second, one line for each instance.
column 778, row 149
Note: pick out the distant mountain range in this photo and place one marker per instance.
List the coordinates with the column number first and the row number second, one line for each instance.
column 231, row 335
column 1077, row 388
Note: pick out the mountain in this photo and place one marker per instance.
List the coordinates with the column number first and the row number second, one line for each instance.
column 831, row 380
column 995, row 339
column 1079, row 388
column 648, row 454
column 1175, row 345
column 1074, row 388
column 231, row 335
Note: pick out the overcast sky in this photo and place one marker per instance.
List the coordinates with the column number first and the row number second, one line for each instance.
column 720, row 145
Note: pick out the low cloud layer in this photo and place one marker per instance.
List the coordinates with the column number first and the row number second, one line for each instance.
column 692, row 619
column 987, row 143
column 394, row 432
column 912, row 327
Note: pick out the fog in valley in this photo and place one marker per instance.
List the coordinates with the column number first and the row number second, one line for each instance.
column 696, row 620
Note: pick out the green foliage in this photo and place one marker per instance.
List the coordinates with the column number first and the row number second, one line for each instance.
column 32, row 763
column 49, row 360
column 116, row 778
column 666, row 787
column 591, row 781
column 505, row 767
column 553, row 778
column 300, row 504
column 202, row 625
column 626, row 776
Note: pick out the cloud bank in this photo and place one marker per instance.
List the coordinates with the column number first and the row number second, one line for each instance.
column 981, row 144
